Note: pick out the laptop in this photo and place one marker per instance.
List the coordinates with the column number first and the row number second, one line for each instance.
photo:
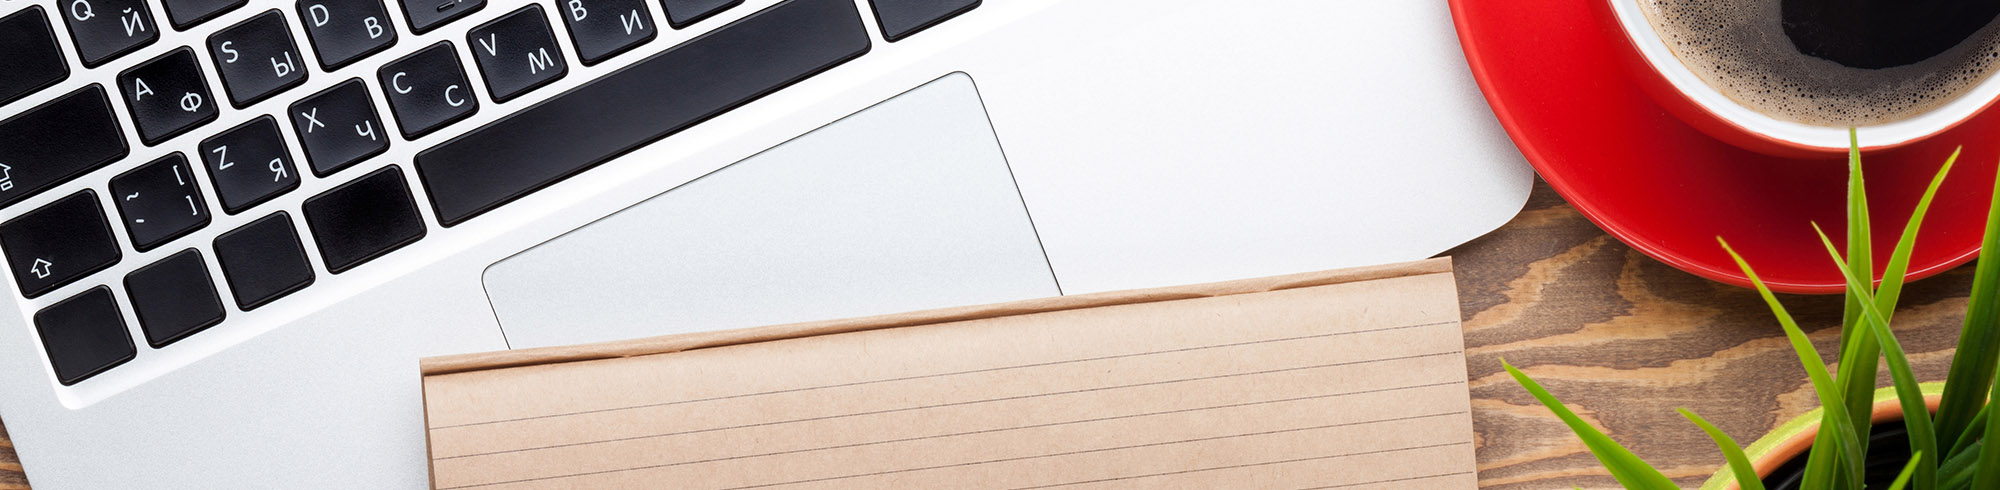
column 231, row 227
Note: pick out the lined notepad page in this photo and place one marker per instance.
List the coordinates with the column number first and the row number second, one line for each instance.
column 1346, row 386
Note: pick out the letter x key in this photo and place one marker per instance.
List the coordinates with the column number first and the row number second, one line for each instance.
column 338, row 127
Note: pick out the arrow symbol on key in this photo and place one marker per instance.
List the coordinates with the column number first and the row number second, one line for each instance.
column 40, row 269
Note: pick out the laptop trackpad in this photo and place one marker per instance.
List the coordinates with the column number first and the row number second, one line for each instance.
column 905, row 205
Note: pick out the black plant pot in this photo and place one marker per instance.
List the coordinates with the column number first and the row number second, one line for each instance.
column 1888, row 453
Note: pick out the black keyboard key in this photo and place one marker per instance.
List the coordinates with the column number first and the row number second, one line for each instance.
column 84, row 335
column 187, row 13
column 344, row 31
column 603, row 28
column 683, row 13
column 174, row 298
column 257, row 58
column 338, row 127
column 105, row 29
column 56, row 142
column 32, row 60
column 59, row 243
column 655, row 97
column 364, row 219
column 425, row 15
column 263, row 261
column 901, row 18
column 517, row 53
column 159, row 201
column 249, row 164
column 167, row 95
column 427, row 90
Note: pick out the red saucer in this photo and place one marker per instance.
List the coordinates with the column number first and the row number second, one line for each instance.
column 1549, row 69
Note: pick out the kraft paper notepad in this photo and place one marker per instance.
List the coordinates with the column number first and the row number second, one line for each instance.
column 1351, row 379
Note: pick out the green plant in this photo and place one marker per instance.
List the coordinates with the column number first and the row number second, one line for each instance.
column 1947, row 447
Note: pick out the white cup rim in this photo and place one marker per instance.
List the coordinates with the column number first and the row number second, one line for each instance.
column 1639, row 30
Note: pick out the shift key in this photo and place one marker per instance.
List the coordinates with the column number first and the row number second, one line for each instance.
column 56, row 142
column 58, row 243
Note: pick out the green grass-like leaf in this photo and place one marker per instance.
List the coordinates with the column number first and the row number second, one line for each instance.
column 1975, row 343
column 1956, row 472
column 1746, row 475
column 1972, row 367
column 1978, row 427
column 1916, row 414
column 1630, row 471
column 1821, row 466
column 1891, row 290
column 1905, row 477
column 1858, row 351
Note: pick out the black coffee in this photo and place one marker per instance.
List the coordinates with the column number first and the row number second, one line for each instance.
column 1834, row 63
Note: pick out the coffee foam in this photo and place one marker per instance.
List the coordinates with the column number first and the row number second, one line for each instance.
column 1739, row 47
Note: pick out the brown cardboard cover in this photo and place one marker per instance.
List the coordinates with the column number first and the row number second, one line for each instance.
column 1341, row 379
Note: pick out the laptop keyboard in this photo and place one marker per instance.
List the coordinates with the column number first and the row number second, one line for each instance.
column 427, row 89
column 649, row 100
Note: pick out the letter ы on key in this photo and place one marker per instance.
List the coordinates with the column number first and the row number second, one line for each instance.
column 257, row 58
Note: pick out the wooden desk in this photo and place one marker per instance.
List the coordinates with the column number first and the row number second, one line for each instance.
column 1625, row 340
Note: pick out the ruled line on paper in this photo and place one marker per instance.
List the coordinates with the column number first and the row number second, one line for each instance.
column 975, row 402
column 1249, row 465
column 986, row 431
column 941, row 375
column 1136, row 446
column 1038, row 456
column 1393, row 480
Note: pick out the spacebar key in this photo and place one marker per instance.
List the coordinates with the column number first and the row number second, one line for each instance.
column 651, row 99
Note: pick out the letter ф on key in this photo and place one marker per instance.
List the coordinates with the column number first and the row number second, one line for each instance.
column 167, row 96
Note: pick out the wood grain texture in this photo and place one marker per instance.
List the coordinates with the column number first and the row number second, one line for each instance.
column 1624, row 339
column 10, row 465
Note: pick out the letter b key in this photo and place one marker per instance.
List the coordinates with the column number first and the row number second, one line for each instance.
column 345, row 31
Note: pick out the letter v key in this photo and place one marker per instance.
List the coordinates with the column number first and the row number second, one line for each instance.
column 492, row 44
